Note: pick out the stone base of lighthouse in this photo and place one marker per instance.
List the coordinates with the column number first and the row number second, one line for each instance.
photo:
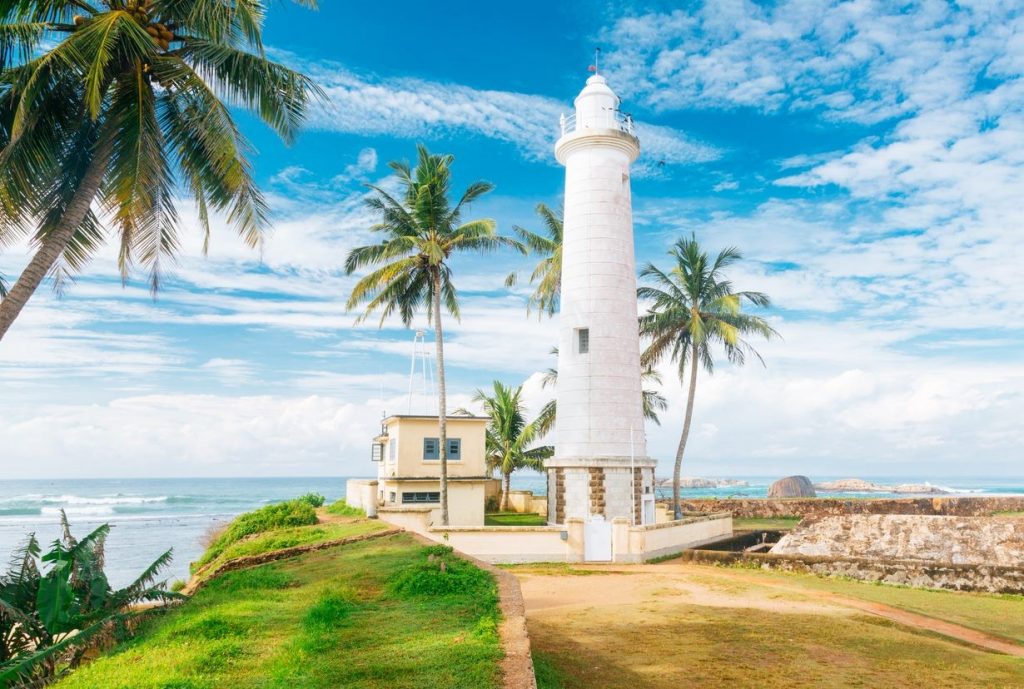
column 599, row 486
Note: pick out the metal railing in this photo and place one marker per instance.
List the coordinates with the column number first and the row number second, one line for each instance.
column 619, row 120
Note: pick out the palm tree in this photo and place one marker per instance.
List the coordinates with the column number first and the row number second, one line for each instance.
column 548, row 273
column 119, row 106
column 420, row 231
column 509, row 436
column 653, row 400
column 694, row 308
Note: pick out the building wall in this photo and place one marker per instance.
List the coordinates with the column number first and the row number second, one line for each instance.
column 819, row 507
column 410, row 433
column 465, row 499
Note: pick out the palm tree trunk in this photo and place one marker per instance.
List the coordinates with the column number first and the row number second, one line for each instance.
column 676, row 509
column 505, row 485
column 442, row 399
column 55, row 242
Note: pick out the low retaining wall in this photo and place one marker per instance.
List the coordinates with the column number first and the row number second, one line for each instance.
column 985, row 578
column 820, row 507
column 565, row 543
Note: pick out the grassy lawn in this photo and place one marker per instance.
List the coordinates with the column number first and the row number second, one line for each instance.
column 296, row 535
column 371, row 614
column 696, row 627
column 765, row 524
column 514, row 519
column 1009, row 513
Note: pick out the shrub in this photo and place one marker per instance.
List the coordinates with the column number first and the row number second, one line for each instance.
column 314, row 499
column 341, row 508
column 297, row 512
column 178, row 584
column 442, row 574
column 57, row 606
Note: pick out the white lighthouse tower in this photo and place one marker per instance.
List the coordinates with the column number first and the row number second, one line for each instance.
column 600, row 465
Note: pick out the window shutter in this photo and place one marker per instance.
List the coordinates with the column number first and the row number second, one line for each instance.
column 431, row 448
column 454, row 448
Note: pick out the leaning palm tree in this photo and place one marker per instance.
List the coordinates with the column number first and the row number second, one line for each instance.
column 693, row 308
column 548, row 272
column 420, row 230
column 510, row 438
column 653, row 401
column 109, row 110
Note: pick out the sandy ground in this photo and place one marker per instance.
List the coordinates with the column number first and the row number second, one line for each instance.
column 636, row 585
column 680, row 625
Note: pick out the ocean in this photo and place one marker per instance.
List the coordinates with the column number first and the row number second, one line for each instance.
column 150, row 516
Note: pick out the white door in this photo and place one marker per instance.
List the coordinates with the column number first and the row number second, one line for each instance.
column 597, row 540
column 648, row 510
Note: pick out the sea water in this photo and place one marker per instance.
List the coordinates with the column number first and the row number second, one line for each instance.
column 150, row 516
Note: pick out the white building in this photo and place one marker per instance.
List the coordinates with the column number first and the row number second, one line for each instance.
column 600, row 465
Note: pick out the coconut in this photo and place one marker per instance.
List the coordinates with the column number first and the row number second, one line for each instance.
column 80, row 20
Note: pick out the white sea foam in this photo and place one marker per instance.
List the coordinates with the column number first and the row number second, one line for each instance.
column 77, row 500
column 79, row 511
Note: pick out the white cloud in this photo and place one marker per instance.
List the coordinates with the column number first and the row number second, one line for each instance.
column 411, row 108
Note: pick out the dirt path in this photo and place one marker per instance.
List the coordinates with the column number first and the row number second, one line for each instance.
column 824, row 601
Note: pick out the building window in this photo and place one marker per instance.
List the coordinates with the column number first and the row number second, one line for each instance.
column 431, row 448
column 391, row 496
column 420, row 498
column 582, row 340
column 393, row 451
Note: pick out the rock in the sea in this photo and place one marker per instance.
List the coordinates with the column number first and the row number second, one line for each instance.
column 792, row 487
column 858, row 485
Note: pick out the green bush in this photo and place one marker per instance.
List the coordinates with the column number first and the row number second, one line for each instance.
column 343, row 509
column 314, row 499
column 298, row 512
column 178, row 584
column 442, row 574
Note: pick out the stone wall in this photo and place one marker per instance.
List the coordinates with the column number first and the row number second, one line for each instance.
column 986, row 578
column 819, row 507
column 926, row 538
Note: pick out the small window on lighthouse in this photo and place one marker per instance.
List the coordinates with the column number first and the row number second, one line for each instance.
column 582, row 340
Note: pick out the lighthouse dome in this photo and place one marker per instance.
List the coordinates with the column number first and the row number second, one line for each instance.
column 597, row 105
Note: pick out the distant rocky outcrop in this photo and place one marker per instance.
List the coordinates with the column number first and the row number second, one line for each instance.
column 792, row 487
column 693, row 482
column 857, row 485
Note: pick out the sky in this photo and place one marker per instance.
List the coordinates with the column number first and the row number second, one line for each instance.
column 866, row 157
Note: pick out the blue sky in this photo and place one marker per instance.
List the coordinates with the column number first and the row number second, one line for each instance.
column 865, row 156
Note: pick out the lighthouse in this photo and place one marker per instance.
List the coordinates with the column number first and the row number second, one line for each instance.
column 600, row 467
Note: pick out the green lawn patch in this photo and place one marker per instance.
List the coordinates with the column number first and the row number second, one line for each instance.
column 298, row 512
column 765, row 524
column 1009, row 513
column 514, row 519
column 338, row 617
column 280, row 539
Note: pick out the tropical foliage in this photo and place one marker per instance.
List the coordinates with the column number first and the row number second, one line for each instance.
column 419, row 232
column 510, row 438
column 58, row 605
column 693, row 310
column 548, row 272
column 109, row 110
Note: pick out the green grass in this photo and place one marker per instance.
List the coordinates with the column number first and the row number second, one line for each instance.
column 341, row 508
column 514, row 519
column 1009, row 513
column 332, row 618
column 280, row 539
column 298, row 512
column 765, row 524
